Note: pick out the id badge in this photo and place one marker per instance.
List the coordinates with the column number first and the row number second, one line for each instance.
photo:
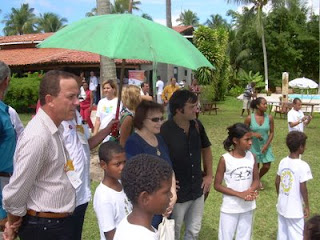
column 72, row 175
column 81, row 134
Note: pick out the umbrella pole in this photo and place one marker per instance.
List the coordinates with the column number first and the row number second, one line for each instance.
column 115, row 131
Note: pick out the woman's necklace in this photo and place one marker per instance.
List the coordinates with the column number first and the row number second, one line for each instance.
column 152, row 142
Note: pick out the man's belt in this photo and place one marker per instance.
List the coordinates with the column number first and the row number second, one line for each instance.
column 5, row 174
column 47, row 214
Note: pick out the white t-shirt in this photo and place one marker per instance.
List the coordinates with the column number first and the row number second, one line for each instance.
column 238, row 176
column 126, row 230
column 294, row 116
column 93, row 83
column 82, row 96
column 159, row 85
column 75, row 137
column 292, row 172
column 106, row 111
column 110, row 207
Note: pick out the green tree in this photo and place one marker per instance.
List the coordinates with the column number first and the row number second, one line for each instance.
column 93, row 12
column 187, row 18
column 216, row 21
column 20, row 21
column 213, row 43
column 50, row 22
column 122, row 6
column 258, row 6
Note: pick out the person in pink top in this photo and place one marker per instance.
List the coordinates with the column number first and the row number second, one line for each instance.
column 86, row 105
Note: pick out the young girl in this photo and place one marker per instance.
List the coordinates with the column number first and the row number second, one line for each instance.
column 262, row 127
column 239, row 171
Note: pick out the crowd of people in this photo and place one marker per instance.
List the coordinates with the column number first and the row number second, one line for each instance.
column 153, row 169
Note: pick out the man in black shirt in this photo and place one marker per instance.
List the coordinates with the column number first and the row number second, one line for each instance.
column 187, row 142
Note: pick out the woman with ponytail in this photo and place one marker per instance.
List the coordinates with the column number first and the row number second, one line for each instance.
column 262, row 127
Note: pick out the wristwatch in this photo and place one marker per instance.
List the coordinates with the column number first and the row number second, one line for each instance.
column 300, row 121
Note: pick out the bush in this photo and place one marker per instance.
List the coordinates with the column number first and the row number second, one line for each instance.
column 23, row 92
column 236, row 91
column 207, row 94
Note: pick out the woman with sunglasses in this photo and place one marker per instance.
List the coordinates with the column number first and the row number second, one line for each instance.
column 146, row 139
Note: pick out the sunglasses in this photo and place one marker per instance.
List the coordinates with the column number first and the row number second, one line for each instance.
column 156, row 119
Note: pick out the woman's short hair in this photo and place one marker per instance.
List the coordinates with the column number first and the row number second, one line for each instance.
column 131, row 97
column 143, row 109
column 112, row 84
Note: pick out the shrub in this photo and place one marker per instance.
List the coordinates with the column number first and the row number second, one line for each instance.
column 236, row 91
column 23, row 92
column 207, row 94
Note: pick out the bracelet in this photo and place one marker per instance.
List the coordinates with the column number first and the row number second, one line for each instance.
column 300, row 121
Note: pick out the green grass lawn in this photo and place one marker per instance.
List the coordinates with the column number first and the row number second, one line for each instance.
column 265, row 220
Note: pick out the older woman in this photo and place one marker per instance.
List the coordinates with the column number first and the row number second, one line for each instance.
column 147, row 121
column 107, row 107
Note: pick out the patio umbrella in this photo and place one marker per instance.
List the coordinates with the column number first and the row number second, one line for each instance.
column 126, row 36
column 303, row 83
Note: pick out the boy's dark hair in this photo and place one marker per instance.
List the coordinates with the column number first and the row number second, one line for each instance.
column 296, row 100
column 237, row 130
column 107, row 149
column 295, row 139
column 142, row 110
column 254, row 103
column 313, row 228
column 144, row 172
column 179, row 99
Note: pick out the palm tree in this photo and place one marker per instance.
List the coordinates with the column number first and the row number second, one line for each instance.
column 123, row 6
column 107, row 65
column 50, row 22
column 188, row 18
column 169, row 25
column 257, row 6
column 20, row 21
column 146, row 16
column 216, row 21
column 93, row 12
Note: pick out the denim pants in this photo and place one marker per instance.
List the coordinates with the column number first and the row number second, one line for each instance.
column 191, row 213
column 36, row 228
column 77, row 219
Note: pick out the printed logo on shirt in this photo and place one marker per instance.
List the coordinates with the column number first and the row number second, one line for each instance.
column 241, row 173
column 107, row 109
column 286, row 181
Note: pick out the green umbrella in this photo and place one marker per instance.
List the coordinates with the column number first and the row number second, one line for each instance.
column 126, row 36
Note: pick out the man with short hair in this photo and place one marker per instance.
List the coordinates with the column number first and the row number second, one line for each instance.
column 144, row 89
column 188, row 142
column 41, row 190
column 93, row 84
column 247, row 96
column 7, row 137
column 167, row 93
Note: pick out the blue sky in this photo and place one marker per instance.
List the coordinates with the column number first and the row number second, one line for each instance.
column 74, row 10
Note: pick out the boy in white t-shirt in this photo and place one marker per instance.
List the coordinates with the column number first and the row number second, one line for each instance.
column 291, row 185
column 146, row 180
column 110, row 202
column 296, row 118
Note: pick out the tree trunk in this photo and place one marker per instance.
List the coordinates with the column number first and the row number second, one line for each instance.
column 169, row 25
column 130, row 6
column 265, row 61
column 107, row 65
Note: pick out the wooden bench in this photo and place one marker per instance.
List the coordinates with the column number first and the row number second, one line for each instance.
column 283, row 109
column 208, row 107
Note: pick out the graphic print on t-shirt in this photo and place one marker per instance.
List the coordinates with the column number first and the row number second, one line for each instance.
column 107, row 109
column 286, row 181
column 241, row 173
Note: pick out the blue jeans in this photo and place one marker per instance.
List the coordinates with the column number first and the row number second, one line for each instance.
column 77, row 219
column 191, row 213
column 36, row 228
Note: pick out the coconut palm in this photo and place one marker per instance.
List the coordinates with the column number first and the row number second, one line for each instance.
column 122, row 6
column 258, row 6
column 93, row 12
column 146, row 16
column 187, row 18
column 216, row 21
column 50, row 22
column 107, row 65
column 169, row 25
column 20, row 21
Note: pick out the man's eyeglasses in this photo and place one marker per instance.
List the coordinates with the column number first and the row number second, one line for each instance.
column 156, row 119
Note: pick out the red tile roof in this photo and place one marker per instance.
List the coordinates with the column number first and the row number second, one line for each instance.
column 25, row 38
column 37, row 56
column 182, row 29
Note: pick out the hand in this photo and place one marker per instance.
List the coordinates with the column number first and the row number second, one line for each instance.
column 168, row 212
column 264, row 148
column 177, row 186
column 258, row 135
column 113, row 122
column 206, row 184
column 11, row 231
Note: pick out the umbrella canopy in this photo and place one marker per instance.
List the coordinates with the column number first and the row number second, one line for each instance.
column 303, row 83
column 127, row 36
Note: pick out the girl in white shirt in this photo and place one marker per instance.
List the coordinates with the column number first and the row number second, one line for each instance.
column 239, row 170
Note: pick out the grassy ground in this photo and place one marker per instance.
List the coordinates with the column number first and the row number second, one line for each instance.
column 265, row 220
